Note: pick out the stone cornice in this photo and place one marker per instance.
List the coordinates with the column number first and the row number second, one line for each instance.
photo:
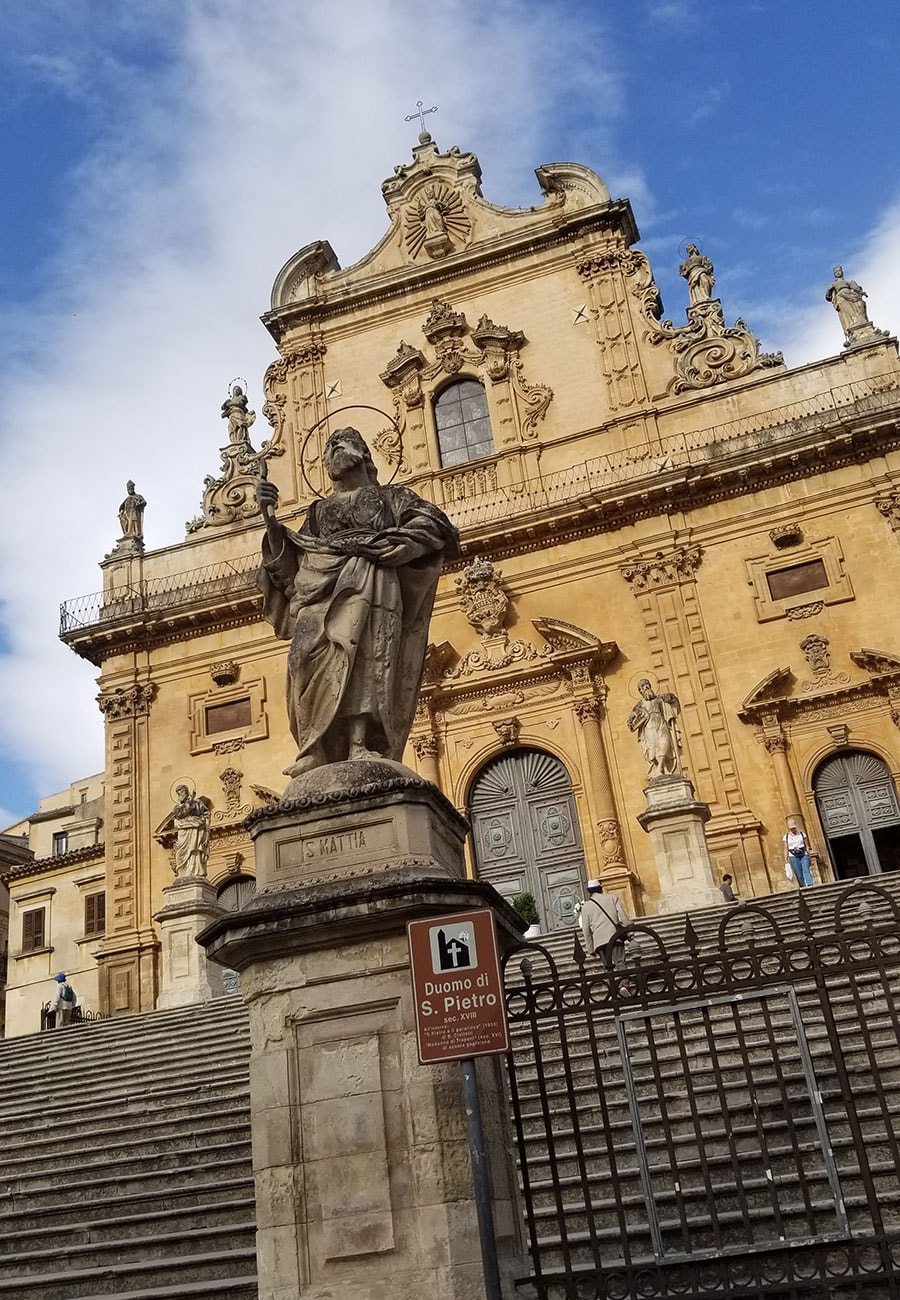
column 56, row 862
column 339, row 300
column 785, row 708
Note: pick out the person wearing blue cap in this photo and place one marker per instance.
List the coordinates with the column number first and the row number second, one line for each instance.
column 63, row 1002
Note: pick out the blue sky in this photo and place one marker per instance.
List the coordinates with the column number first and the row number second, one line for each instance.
column 161, row 162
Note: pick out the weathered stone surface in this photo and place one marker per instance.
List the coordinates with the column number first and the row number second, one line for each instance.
column 675, row 819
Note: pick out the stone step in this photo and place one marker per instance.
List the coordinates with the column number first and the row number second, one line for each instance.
column 202, row 1089
column 149, row 1152
column 66, row 1254
column 106, row 1129
column 198, row 1175
column 137, row 1277
column 169, row 1161
column 213, row 1203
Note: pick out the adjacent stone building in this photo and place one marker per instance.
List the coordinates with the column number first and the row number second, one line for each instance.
column 54, row 867
column 637, row 498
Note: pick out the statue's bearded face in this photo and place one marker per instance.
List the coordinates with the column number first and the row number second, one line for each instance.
column 646, row 690
column 344, row 451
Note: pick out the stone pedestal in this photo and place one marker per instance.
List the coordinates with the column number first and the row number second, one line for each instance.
column 364, row 1186
column 187, row 974
column 674, row 820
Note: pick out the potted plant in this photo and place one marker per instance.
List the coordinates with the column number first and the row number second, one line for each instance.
column 526, row 905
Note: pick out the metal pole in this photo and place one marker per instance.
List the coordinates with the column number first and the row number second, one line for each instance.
column 482, row 1184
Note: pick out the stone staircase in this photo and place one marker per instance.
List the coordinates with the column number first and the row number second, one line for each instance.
column 125, row 1166
column 125, row 1163
column 748, row 1117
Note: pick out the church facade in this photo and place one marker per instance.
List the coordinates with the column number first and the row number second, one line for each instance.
column 638, row 500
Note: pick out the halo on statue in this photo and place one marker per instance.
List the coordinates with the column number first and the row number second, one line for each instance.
column 636, row 678
column 359, row 406
column 188, row 785
column 237, row 383
column 683, row 246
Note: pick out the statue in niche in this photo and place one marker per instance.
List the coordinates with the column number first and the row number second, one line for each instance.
column 131, row 513
column 849, row 301
column 353, row 591
column 697, row 269
column 190, row 819
column 653, row 718
column 234, row 410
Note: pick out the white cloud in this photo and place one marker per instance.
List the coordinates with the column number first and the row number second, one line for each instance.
column 261, row 128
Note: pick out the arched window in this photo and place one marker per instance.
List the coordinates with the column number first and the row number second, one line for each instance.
column 463, row 423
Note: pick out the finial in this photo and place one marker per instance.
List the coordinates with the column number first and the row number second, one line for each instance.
column 420, row 113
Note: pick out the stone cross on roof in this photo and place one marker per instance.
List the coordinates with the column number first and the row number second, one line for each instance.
column 421, row 114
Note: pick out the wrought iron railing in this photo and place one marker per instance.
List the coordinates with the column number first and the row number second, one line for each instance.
column 718, row 1118
column 80, row 1016
column 230, row 577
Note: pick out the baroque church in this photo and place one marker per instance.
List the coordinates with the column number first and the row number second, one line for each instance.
column 638, row 498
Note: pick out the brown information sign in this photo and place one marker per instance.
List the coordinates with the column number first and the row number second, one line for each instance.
column 457, row 986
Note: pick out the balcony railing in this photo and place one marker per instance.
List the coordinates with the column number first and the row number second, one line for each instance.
column 230, row 577
column 476, row 500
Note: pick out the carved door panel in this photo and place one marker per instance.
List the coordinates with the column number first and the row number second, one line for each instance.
column 526, row 833
column 856, row 798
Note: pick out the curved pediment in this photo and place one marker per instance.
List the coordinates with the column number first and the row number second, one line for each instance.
column 437, row 210
column 772, row 687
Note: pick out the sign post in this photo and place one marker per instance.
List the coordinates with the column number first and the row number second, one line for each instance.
column 460, row 1014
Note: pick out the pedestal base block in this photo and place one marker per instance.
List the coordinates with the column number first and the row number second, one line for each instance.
column 674, row 819
column 187, row 974
column 352, row 819
column 364, row 1187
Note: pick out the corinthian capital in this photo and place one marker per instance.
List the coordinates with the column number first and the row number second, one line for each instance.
column 664, row 569
column 126, row 701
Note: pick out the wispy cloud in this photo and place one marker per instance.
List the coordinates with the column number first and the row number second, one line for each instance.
column 255, row 130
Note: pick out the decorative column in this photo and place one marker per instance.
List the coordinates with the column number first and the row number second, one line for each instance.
column 127, row 959
column 614, row 871
column 426, row 749
column 776, row 747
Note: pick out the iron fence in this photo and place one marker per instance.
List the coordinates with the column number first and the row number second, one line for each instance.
column 719, row 1119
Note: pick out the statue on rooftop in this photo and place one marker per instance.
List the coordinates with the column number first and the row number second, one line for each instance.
column 352, row 590
column 131, row 513
column 697, row 269
column 849, row 301
column 653, row 718
column 234, row 410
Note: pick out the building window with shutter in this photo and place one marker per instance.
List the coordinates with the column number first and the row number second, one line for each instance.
column 60, row 842
column 94, row 914
column 34, row 929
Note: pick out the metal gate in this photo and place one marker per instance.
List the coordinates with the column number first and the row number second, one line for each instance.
column 721, row 1118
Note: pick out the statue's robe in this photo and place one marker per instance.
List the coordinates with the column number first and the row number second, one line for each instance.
column 358, row 627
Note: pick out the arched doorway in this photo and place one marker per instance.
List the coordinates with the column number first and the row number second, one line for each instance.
column 526, row 834
column 860, row 814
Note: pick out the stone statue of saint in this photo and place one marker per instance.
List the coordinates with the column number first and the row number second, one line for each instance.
column 190, row 818
column 234, row 410
column 849, row 301
column 353, row 591
column 653, row 718
column 131, row 513
column 697, row 269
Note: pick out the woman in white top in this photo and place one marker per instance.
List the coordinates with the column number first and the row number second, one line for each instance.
column 796, row 854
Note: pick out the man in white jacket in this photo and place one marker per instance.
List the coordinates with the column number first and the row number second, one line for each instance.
column 601, row 917
column 63, row 1002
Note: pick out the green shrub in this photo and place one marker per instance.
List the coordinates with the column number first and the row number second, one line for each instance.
column 526, row 905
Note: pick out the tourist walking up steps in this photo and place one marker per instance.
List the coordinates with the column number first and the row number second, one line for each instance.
column 63, row 1002
column 796, row 855
column 602, row 918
